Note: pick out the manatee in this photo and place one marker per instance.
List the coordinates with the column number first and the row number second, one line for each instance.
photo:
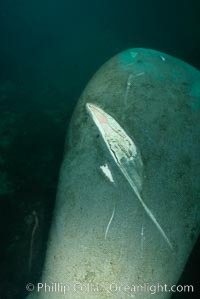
column 127, row 210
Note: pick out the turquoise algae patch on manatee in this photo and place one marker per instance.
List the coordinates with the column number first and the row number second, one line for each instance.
column 164, row 69
column 127, row 57
column 195, row 93
column 137, row 55
column 140, row 60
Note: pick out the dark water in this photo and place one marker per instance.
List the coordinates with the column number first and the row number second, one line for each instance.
column 48, row 52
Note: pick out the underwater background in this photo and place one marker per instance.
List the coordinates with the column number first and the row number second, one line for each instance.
column 48, row 52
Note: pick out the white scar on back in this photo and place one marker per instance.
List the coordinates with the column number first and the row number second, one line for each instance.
column 109, row 223
column 105, row 169
column 125, row 154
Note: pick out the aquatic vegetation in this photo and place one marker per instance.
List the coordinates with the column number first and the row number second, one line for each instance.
column 7, row 90
column 7, row 128
column 34, row 229
column 7, row 135
column 125, row 154
column 5, row 185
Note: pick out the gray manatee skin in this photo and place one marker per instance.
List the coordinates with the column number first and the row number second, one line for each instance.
column 156, row 99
